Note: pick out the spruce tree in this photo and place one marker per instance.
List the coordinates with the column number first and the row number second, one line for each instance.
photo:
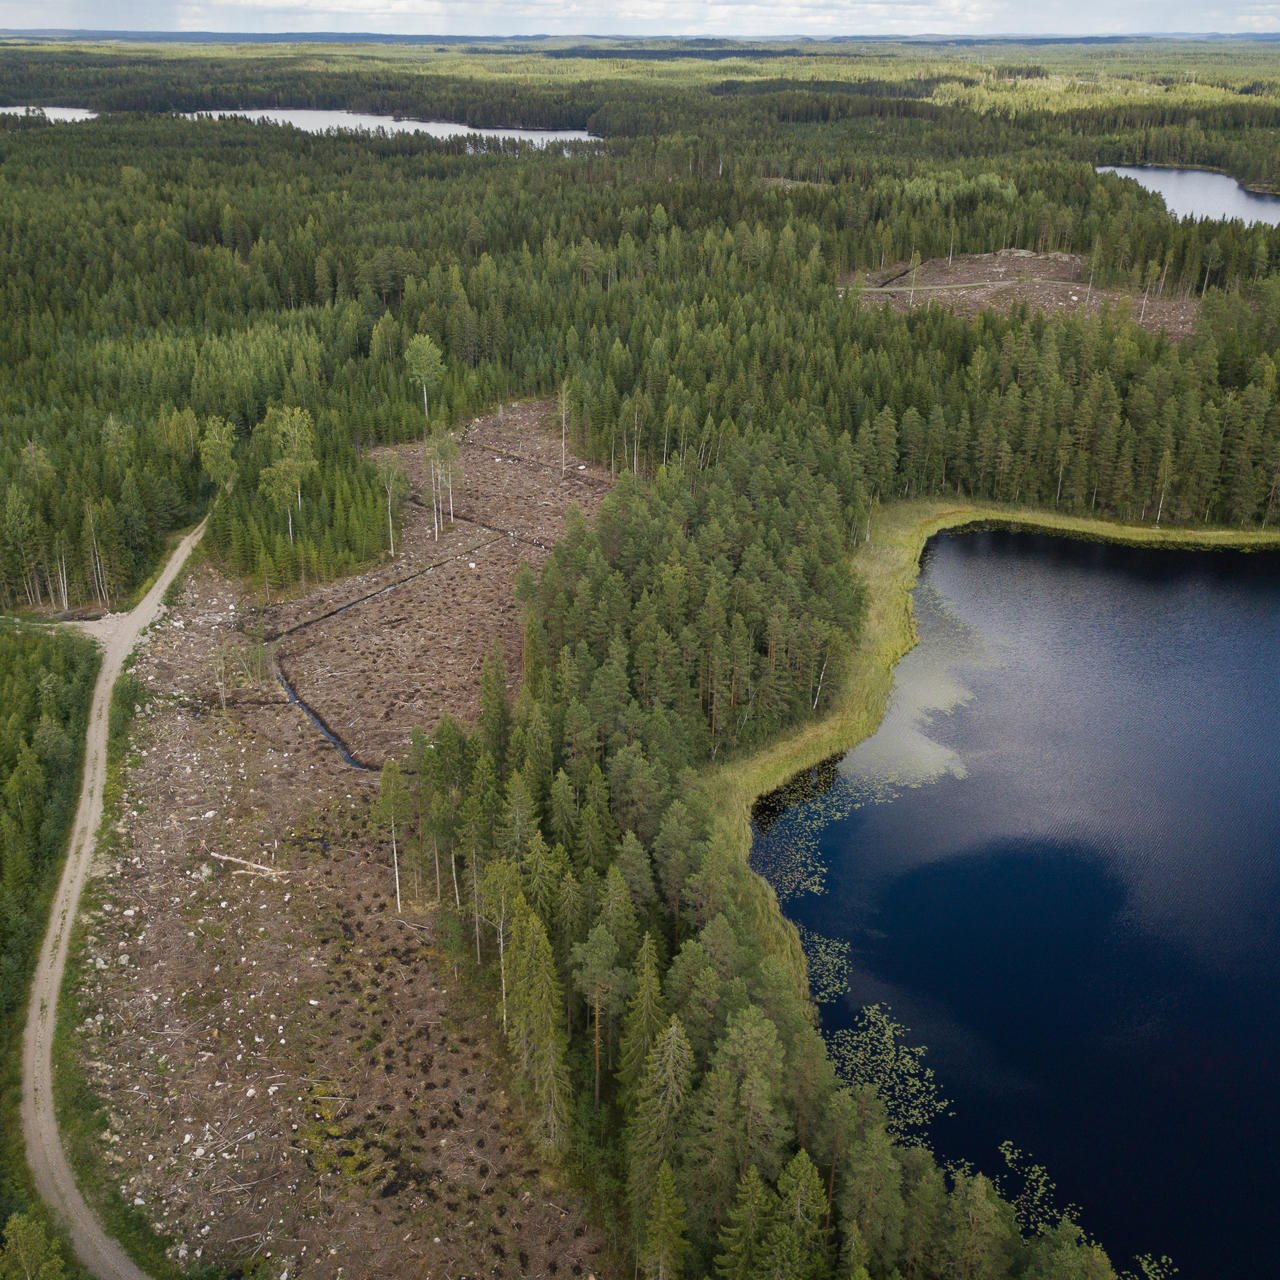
column 656, row 1128
column 644, row 1020
column 536, row 1026
column 749, row 1224
column 665, row 1247
column 802, row 1215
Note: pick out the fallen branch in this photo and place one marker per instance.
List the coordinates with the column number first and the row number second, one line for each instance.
column 252, row 868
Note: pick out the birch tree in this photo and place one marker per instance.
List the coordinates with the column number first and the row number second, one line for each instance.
column 426, row 365
column 394, row 485
column 393, row 809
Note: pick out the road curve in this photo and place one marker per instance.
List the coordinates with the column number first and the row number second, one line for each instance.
column 117, row 634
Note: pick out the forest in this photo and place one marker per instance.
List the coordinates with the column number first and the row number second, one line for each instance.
column 46, row 679
column 162, row 274
column 228, row 316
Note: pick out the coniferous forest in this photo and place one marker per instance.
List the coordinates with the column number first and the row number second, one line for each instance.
column 45, row 682
column 216, row 315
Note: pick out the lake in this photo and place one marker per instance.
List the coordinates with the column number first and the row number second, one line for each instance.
column 1058, row 860
column 1196, row 193
column 56, row 115
column 357, row 122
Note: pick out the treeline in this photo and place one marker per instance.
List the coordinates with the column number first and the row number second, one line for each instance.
column 46, row 680
column 146, row 80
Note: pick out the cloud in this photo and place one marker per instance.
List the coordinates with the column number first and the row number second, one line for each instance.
column 742, row 18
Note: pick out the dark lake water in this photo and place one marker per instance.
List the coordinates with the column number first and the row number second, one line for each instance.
column 1194, row 193
column 1058, row 861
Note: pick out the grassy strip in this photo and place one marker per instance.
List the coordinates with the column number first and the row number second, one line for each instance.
column 890, row 565
column 82, row 1116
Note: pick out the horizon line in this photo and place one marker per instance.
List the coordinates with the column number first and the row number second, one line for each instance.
column 122, row 33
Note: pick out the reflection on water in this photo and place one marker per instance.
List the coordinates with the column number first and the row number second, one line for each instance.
column 55, row 115
column 1059, row 861
column 904, row 753
column 907, row 752
column 313, row 121
column 1196, row 193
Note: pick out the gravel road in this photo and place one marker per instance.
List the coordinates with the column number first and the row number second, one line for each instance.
column 117, row 634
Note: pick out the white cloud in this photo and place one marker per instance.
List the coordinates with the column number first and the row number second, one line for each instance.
column 741, row 18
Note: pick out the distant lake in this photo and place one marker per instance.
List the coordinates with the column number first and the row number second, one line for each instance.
column 358, row 122
column 1058, row 860
column 1195, row 193
column 57, row 115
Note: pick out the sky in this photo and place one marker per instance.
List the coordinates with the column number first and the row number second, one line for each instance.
column 740, row 18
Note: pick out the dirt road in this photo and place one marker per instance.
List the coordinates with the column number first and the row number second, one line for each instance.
column 99, row 1253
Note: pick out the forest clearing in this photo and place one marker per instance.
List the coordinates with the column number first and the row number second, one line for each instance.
column 401, row 659
column 1054, row 283
column 283, row 1063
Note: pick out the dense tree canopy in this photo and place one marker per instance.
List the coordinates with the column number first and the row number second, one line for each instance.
column 45, row 683
column 160, row 274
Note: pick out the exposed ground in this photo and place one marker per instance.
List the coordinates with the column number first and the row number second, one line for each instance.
column 403, row 658
column 1048, row 282
column 291, row 1072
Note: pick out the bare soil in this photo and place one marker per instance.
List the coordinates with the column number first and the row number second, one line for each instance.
column 403, row 658
column 292, row 1073
column 1053, row 283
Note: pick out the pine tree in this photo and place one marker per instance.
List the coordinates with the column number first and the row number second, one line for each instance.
column 872, row 1210
column 739, row 1117
column 601, row 981
column 982, row 1234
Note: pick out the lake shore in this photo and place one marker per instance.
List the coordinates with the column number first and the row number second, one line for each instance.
column 889, row 563
column 1254, row 188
